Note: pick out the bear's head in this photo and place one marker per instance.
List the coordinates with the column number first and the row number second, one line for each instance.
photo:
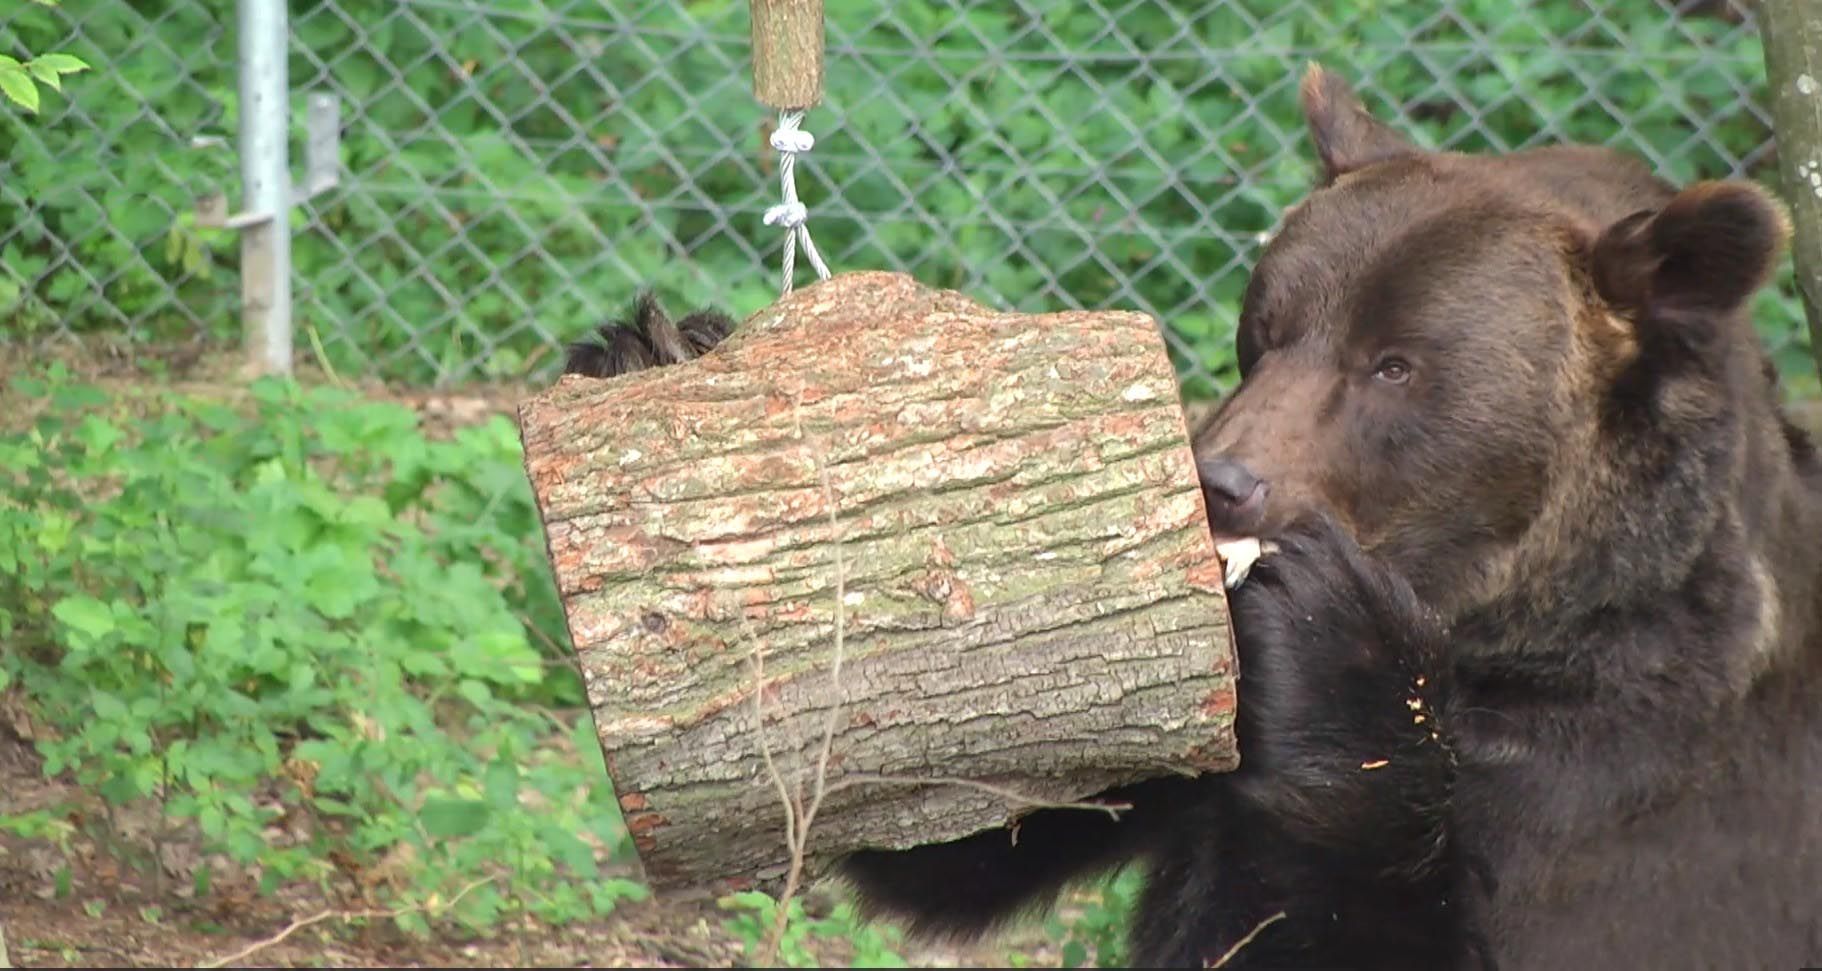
column 1499, row 372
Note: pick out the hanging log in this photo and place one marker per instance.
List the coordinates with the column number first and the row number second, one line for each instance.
column 992, row 519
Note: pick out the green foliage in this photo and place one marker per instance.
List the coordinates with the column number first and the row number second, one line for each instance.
column 1095, row 934
column 19, row 80
column 510, row 166
column 309, row 634
column 755, row 914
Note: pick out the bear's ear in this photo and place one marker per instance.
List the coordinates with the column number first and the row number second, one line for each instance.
column 1346, row 136
column 1709, row 249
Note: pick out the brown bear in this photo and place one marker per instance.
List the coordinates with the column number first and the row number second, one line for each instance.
column 1531, row 678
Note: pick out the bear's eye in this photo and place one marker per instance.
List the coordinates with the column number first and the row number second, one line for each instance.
column 1393, row 370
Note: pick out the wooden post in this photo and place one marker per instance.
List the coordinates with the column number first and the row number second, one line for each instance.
column 1792, row 32
column 787, row 53
column 1000, row 511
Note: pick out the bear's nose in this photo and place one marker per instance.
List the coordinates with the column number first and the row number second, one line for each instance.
column 1235, row 496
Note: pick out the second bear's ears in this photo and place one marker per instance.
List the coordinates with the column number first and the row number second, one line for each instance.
column 1347, row 137
column 1710, row 248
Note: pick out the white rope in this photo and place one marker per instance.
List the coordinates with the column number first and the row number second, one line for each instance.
column 790, row 140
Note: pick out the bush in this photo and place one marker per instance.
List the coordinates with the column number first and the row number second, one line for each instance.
column 517, row 170
column 755, row 916
column 310, row 635
column 1097, row 931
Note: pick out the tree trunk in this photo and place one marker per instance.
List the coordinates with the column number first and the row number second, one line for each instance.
column 1792, row 31
column 968, row 545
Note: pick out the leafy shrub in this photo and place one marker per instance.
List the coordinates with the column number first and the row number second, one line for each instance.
column 755, row 914
column 1096, row 932
column 307, row 630
column 517, row 168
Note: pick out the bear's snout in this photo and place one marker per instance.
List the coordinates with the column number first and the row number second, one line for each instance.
column 1234, row 495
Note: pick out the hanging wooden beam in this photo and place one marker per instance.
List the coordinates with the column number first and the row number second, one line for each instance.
column 787, row 53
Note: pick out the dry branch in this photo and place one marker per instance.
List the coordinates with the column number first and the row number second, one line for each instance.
column 1033, row 604
column 432, row 906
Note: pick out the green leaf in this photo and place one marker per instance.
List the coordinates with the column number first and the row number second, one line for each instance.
column 211, row 820
column 454, row 818
column 97, row 435
column 45, row 75
column 57, row 64
column 85, row 615
column 502, row 783
column 476, row 692
column 107, row 707
column 571, row 850
column 18, row 86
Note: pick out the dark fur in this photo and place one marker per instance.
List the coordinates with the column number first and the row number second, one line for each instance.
column 1533, row 679
column 645, row 340
column 1228, row 852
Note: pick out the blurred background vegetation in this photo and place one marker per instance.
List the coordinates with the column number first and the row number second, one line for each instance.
column 517, row 168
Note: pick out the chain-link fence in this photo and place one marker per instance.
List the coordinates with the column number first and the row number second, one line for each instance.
column 515, row 169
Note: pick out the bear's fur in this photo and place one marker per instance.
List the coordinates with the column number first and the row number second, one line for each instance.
column 1532, row 678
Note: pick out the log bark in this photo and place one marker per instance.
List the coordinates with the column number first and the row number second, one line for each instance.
column 1792, row 33
column 998, row 513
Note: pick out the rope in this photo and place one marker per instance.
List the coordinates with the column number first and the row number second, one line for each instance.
column 790, row 141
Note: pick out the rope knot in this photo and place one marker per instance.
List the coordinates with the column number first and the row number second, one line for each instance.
column 790, row 215
column 791, row 141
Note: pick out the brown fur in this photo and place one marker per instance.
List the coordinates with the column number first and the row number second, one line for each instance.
column 1588, row 475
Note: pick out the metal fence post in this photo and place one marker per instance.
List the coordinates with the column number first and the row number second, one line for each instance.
column 265, row 168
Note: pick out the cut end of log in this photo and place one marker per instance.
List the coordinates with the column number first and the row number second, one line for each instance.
column 998, row 512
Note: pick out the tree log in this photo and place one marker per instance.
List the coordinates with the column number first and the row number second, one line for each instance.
column 1792, row 33
column 966, row 547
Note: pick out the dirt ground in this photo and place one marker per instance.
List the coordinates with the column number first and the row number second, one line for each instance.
column 77, row 906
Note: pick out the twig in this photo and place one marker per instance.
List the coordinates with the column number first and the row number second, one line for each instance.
column 797, row 823
column 1113, row 809
column 1228, row 955
column 5, row 962
column 344, row 915
column 841, row 627
column 322, row 356
column 757, row 659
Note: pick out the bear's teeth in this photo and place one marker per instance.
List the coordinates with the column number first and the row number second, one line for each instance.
column 1238, row 557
